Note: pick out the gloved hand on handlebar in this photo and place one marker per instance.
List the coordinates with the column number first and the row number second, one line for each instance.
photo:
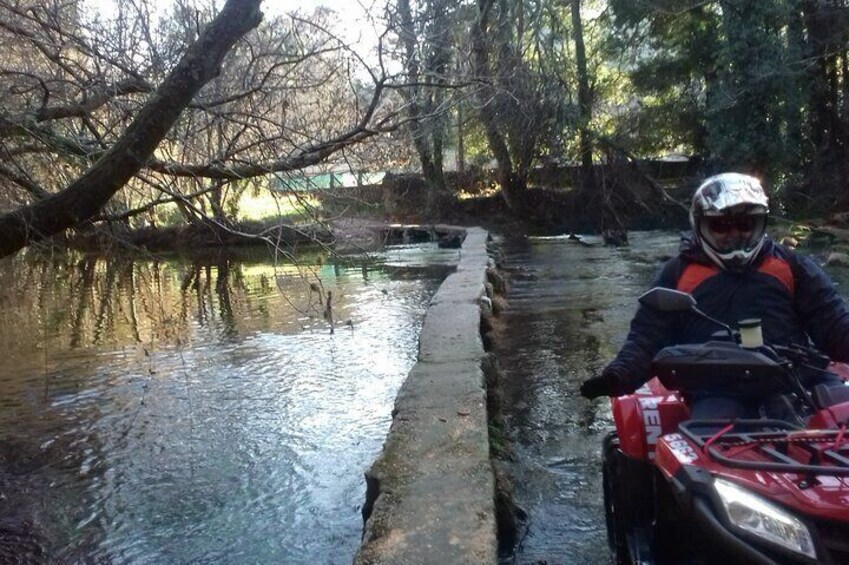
column 608, row 383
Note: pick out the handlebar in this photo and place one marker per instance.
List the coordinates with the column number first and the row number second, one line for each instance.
column 751, row 368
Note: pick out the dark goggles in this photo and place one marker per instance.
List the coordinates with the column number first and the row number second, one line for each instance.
column 724, row 224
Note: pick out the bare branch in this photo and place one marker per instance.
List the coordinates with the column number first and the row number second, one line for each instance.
column 93, row 101
column 83, row 198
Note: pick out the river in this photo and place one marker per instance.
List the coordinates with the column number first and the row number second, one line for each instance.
column 195, row 411
column 201, row 411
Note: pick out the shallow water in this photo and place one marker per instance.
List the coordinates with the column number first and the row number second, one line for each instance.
column 164, row 411
column 569, row 309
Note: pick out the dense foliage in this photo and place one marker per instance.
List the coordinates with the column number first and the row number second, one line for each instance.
column 516, row 85
column 754, row 86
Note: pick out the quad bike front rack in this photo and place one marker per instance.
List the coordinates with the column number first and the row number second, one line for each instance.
column 771, row 445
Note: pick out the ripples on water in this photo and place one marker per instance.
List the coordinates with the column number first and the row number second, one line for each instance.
column 168, row 412
column 570, row 306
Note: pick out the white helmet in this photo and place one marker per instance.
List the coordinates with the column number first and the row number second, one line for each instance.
column 727, row 202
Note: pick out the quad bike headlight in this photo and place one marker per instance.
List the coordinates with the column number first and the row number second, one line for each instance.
column 754, row 515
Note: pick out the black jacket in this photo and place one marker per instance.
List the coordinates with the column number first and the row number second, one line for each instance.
column 794, row 298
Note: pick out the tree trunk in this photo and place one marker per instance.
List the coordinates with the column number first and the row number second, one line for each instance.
column 584, row 101
column 818, row 109
column 85, row 196
column 512, row 185
column 420, row 108
column 461, row 147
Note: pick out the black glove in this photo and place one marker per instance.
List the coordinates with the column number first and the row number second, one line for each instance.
column 606, row 384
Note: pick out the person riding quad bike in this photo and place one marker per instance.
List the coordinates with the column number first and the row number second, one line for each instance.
column 735, row 272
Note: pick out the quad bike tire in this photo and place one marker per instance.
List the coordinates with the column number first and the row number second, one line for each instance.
column 628, row 505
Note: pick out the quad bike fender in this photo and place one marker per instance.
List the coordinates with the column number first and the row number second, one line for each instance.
column 643, row 417
column 673, row 452
column 836, row 414
column 830, row 418
column 628, row 416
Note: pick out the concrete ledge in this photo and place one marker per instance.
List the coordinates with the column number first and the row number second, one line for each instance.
column 431, row 493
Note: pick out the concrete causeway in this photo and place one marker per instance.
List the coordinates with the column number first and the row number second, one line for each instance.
column 430, row 494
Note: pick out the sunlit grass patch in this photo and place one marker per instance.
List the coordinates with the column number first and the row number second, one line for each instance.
column 481, row 191
column 267, row 205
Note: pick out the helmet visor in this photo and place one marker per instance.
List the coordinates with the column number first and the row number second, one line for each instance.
column 728, row 234
column 726, row 224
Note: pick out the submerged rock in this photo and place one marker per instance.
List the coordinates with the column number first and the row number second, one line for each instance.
column 837, row 259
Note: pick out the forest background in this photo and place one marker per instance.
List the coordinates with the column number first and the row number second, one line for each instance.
column 559, row 114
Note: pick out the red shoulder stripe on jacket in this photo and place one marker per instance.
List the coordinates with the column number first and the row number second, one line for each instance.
column 695, row 274
column 780, row 269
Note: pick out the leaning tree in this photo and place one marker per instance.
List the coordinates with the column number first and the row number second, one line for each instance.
column 103, row 119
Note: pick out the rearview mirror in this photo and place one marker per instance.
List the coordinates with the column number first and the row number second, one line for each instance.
column 668, row 300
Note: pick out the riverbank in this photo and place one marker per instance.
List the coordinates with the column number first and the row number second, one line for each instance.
column 344, row 234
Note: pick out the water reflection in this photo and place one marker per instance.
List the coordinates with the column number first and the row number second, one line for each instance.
column 166, row 411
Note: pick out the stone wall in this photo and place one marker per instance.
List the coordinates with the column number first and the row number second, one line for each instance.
column 431, row 493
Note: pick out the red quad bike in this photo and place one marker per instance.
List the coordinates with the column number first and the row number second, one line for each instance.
column 767, row 490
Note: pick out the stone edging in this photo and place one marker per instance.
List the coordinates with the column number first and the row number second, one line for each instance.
column 430, row 494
